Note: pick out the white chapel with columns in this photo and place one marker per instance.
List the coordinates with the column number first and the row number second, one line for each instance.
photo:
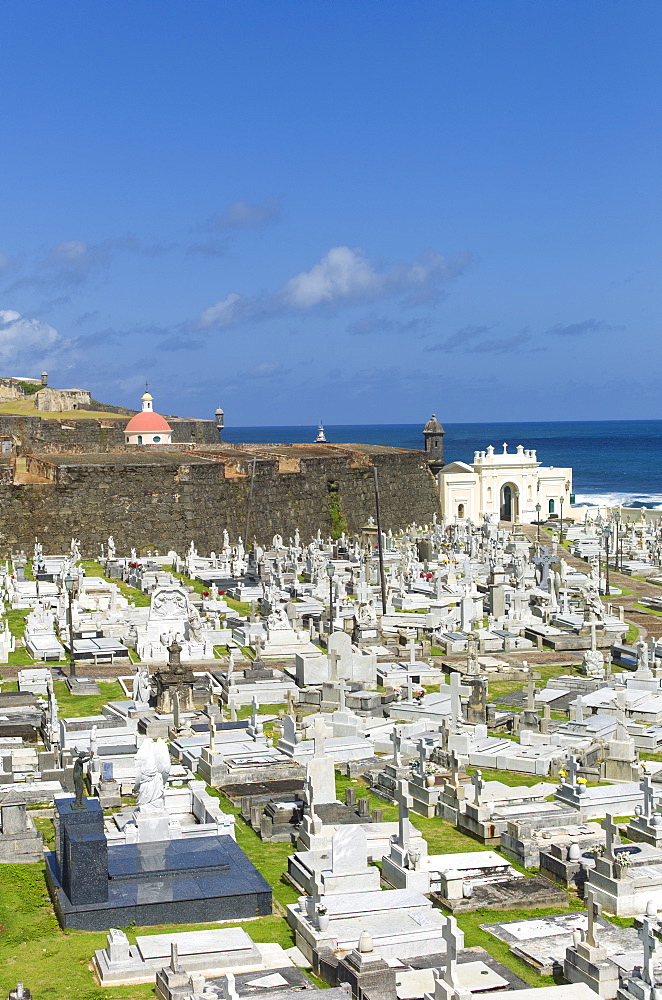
column 506, row 486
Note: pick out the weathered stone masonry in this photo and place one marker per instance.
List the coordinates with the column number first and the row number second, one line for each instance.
column 168, row 499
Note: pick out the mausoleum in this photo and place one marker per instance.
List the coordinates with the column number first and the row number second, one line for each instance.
column 505, row 486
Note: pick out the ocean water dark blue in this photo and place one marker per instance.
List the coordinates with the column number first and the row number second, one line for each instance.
column 613, row 461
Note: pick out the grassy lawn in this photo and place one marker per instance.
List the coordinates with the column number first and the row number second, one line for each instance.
column 77, row 705
column 475, row 937
column 649, row 611
column 26, row 407
column 140, row 600
column 497, row 689
column 632, row 634
column 241, row 607
column 56, row 964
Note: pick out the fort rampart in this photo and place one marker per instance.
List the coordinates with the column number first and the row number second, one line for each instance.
column 166, row 499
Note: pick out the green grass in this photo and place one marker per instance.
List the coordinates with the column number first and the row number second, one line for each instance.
column 55, row 963
column 269, row 859
column 241, row 607
column 632, row 634
column 649, row 611
column 499, row 689
column 512, row 778
column 16, row 621
column 140, row 600
column 474, row 937
column 75, row 705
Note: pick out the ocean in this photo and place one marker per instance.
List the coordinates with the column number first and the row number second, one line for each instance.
column 613, row 461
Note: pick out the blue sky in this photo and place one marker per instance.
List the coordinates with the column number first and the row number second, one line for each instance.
column 362, row 211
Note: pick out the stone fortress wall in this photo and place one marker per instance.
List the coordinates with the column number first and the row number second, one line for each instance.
column 162, row 499
column 34, row 434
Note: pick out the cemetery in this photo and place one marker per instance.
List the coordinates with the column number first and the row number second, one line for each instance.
column 401, row 764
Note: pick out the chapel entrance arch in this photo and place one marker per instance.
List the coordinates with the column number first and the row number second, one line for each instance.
column 509, row 503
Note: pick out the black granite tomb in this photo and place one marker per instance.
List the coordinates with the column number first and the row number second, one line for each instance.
column 95, row 886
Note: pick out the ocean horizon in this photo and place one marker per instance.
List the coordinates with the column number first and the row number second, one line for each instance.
column 613, row 461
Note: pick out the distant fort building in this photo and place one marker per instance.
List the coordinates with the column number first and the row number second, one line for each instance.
column 148, row 427
column 504, row 486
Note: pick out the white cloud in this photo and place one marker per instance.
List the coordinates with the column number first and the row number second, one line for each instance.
column 223, row 313
column 346, row 275
column 242, row 215
column 25, row 340
column 343, row 276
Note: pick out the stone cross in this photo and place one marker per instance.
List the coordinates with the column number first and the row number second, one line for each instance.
column 228, row 991
column 649, row 940
column 612, row 838
column 341, row 695
column 579, row 711
column 256, row 710
column 647, row 789
column 396, row 740
column 456, row 704
column 452, row 938
column 422, row 757
column 319, row 735
column 412, row 651
column 174, row 958
column 455, row 766
column 212, row 735
column 309, row 795
column 175, row 710
column 404, row 803
column 621, row 704
column 594, row 910
column 572, row 769
column 334, row 658
column 409, row 688
column 530, row 695
column 316, row 889
column 478, row 783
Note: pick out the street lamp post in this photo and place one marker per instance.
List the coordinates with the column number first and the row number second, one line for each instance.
column 617, row 519
column 330, row 570
column 538, row 509
column 561, row 502
column 607, row 537
column 69, row 584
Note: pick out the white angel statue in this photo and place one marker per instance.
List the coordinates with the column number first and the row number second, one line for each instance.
column 152, row 772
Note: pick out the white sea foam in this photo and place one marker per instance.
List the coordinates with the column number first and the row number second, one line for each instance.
column 653, row 501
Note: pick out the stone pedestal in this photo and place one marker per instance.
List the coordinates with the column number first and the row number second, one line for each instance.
column 585, row 963
column 20, row 840
column 82, row 851
column 425, row 797
column 175, row 677
column 367, row 973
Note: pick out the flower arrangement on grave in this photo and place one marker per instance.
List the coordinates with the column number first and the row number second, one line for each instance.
column 419, row 692
column 321, row 909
